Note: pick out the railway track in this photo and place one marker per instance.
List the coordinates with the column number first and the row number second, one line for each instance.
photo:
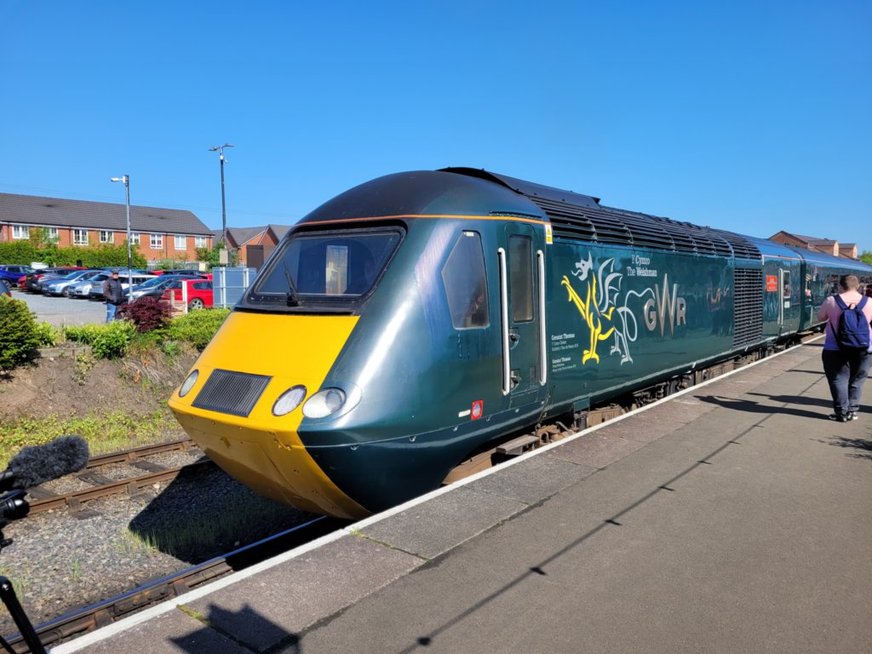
column 94, row 483
column 84, row 620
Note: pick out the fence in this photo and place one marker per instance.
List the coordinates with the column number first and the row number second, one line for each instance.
column 229, row 284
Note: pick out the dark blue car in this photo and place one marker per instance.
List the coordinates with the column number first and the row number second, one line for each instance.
column 12, row 273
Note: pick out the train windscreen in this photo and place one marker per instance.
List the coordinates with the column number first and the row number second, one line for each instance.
column 332, row 267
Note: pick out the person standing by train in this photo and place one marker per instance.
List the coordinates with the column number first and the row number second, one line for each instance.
column 113, row 293
column 846, row 367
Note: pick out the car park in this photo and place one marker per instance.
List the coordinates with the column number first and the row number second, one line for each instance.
column 13, row 272
column 189, row 294
column 62, row 285
column 33, row 281
column 126, row 279
column 155, row 287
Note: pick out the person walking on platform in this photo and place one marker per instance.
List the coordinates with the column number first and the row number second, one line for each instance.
column 847, row 353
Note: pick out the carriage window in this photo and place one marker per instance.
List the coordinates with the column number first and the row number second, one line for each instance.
column 521, row 278
column 466, row 283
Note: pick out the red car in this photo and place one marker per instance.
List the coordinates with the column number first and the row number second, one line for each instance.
column 190, row 293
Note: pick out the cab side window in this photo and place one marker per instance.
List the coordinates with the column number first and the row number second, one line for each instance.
column 466, row 283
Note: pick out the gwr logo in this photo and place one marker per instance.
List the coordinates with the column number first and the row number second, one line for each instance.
column 664, row 308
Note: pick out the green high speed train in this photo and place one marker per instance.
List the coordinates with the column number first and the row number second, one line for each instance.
column 412, row 320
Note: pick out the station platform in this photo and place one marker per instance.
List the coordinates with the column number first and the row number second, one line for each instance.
column 733, row 517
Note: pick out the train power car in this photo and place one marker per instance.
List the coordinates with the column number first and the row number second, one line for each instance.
column 412, row 320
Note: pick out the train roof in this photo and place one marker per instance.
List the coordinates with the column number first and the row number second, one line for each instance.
column 470, row 191
column 423, row 193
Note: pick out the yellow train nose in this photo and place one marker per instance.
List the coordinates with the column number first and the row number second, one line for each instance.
column 228, row 411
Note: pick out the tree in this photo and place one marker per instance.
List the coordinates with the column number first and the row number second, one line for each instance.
column 866, row 257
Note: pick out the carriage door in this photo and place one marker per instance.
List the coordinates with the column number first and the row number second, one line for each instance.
column 522, row 315
column 783, row 295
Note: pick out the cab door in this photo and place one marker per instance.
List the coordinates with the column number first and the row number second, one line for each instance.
column 522, row 298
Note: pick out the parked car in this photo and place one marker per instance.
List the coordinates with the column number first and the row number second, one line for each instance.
column 12, row 273
column 155, row 287
column 96, row 292
column 62, row 285
column 193, row 293
column 190, row 272
column 33, row 281
column 82, row 288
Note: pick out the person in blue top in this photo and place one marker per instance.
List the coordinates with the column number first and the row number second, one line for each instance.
column 846, row 369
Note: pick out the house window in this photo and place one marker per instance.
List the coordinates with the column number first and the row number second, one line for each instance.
column 181, row 243
column 134, row 238
column 80, row 236
column 52, row 233
column 105, row 237
column 20, row 232
column 199, row 241
column 156, row 241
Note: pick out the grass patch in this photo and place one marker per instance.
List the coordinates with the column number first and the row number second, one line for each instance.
column 106, row 433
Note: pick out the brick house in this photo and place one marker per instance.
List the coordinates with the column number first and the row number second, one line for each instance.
column 825, row 245
column 253, row 245
column 159, row 233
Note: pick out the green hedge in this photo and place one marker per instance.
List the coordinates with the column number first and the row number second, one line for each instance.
column 197, row 327
column 98, row 256
column 107, row 341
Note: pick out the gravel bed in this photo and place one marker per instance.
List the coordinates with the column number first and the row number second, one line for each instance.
column 60, row 561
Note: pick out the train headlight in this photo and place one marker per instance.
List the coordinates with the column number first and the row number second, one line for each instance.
column 331, row 402
column 289, row 400
column 189, row 382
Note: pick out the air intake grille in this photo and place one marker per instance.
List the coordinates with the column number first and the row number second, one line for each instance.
column 609, row 225
column 231, row 392
column 748, row 306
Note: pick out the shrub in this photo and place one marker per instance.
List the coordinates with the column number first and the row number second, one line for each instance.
column 48, row 334
column 197, row 327
column 146, row 313
column 19, row 342
column 107, row 341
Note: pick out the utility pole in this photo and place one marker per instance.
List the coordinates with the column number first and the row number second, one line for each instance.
column 126, row 180
column 220, row 150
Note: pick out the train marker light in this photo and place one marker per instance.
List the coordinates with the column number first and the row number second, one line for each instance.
column 289, row 400
column 189, row 382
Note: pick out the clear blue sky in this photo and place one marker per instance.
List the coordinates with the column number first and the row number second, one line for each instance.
column 754, row 116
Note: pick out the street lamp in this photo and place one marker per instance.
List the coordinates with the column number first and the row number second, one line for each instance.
column 125, row 179
column 220, row 150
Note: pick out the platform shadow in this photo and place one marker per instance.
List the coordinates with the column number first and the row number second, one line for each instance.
column 223, row 629
column 797, row 399
column 862, row 447
column 750, row 406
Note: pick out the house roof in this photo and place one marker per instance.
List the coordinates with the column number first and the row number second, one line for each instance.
column 58, row 212
column 239, row 236
column 279, row 230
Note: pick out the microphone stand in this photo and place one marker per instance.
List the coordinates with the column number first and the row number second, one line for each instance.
column 14, row 506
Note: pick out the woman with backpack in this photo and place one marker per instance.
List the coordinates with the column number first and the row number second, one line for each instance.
column 847, row 354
